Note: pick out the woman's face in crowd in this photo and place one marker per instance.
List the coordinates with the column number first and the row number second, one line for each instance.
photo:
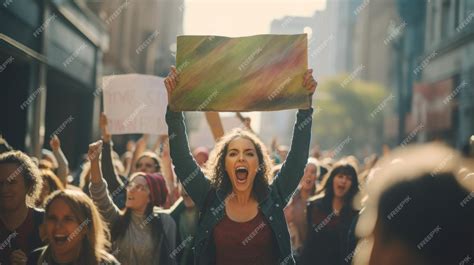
column 309, row 177
column 146, row 164
column 138, row 194
column 241, row 163
column 341, row 185
column 13, row 188
column 64, row 231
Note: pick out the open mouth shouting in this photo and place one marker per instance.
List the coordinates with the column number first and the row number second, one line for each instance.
column 61, row 239
column 241, row 174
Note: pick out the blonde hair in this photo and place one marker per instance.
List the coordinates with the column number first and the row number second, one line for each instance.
column 96, row 241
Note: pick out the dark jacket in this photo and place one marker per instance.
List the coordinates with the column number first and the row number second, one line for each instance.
column 116, row 183
column 184, row 255
column 211, row 203
column 327, row 239
column 8, row 244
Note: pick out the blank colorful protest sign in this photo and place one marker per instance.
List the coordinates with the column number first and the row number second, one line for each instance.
column 256, row 73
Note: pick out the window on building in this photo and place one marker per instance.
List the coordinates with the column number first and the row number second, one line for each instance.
column 468, row 8
column 457, row 12
column 432, row 23
column 445, row 21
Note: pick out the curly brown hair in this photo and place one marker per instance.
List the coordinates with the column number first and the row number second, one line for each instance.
column 215, row 166
column 28, row 170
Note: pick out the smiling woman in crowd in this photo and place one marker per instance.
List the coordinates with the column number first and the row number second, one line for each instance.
column 75, row 231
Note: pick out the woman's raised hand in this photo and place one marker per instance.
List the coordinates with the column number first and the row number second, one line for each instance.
column 171, row 80
column 95, row 149
column 309, row 83
column 103, row 128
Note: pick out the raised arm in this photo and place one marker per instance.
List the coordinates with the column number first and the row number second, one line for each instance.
column 98, row 186
column 63, row 164
column 108, row 169
column 140, row 147
column 166, row 166
column 292, row 169
column 188, row 171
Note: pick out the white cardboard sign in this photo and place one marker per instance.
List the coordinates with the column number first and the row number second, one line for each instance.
column 135, row 103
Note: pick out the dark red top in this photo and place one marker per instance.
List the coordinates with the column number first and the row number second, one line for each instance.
column 249, row 242
column 21, row 238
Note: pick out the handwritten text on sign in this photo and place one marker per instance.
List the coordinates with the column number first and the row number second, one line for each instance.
column 135, row 103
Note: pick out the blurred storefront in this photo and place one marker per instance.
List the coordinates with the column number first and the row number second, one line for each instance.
column 434, row 73
column 50, row 64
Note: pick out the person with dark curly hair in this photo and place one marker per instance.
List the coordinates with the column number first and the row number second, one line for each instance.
column 20, row 185
column 241, row 214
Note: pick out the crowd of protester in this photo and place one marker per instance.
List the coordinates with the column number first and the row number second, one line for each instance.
column 235, row 203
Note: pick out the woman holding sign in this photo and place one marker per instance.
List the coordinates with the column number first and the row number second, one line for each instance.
column 242, row 219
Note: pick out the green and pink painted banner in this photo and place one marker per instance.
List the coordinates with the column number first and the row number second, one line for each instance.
column 256, row 73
